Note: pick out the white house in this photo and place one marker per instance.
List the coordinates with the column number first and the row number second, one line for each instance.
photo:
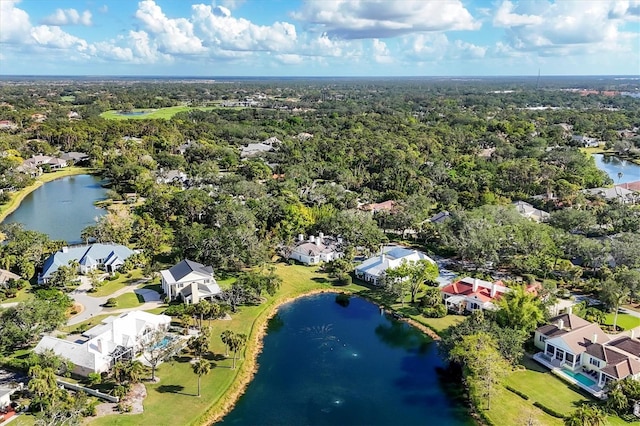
column 106, row 256
column 118, row 337
column 527, row 210
column 191, row 281
column 318, row 249
column 372, row 269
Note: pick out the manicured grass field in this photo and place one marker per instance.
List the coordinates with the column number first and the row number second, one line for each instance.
column 625, row 321
column 128, row 300
column 160, row 113
column 109, row 287
column 539, row 385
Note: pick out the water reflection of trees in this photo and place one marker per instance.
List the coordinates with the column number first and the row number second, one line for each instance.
column 399, row 335
column 275, row 324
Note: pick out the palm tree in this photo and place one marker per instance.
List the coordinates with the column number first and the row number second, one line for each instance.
column 615, row 294
column 520, row 310
column 134, row 371
column 587, row 415
column 237, row 342
column 201, row 367
column 226, row 339
column 199, row 344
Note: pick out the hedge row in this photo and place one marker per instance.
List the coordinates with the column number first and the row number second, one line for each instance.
column 517, row 392
column 548, row 410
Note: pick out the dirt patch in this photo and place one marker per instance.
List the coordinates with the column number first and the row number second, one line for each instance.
column 134, row 398
column 77, row 308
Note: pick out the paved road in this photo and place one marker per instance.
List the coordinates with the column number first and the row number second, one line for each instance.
column 93, row 305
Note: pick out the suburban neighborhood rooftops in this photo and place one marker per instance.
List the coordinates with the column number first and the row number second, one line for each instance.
column 86, row 255
column 177, row 272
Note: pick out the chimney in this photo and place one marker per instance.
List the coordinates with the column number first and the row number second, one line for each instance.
column 195, row 296
column 569, row 310
column 300, row 237
column 319, row 240
column 312, row 239
column 594, row 339
column 65, row 249
column 382, row 257
column 561, row 324
column 320, row 236
column 494, row 289
column 475, row 285
column 633, row 333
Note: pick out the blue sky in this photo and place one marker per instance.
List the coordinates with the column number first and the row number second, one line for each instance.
column 319, row 37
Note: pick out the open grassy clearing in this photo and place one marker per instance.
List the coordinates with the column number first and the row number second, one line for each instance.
column 160, row 113
column 109, row 287
column 625, row 321
column 127, row 300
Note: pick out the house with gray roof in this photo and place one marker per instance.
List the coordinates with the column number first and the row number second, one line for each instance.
column 318, row 249
column 618, row 193
column 527, row 210
column 105, row 256
column 372, row 270
column 6, row 276
column 99, row 348
column 190, row 281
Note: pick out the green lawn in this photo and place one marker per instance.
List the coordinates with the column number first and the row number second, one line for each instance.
column 160, row 113
column 625, row 321
column 539, row 385
column 109, row 287
column 128, row 300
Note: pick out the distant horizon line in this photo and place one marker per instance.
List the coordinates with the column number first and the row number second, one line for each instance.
column 160, row 76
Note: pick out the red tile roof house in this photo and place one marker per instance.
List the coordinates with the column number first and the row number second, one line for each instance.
column 581, row 353
column 470, row 294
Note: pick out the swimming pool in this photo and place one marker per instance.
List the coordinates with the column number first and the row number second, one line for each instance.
column 587, row 381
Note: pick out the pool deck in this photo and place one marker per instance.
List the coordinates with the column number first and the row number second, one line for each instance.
column 594, row 390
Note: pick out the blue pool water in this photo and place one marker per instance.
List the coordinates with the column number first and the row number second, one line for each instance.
column 579, row 377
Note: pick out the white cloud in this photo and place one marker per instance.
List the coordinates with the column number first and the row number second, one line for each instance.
column 51, row 36
column 290, row 59
column 566, row 27
column 103, row 9
column 68, row 17
column 353, row 19
column 436, row 47
column 14, row 22
column 381, row 53
column 232, row 4
column 173, row 36
column 226, row 32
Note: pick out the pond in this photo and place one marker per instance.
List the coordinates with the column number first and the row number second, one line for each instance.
column 61, row 208
column 613, row 165
column 325, row 363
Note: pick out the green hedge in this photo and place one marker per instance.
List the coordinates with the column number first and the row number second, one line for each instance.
column 548, row 410
column 517, row 392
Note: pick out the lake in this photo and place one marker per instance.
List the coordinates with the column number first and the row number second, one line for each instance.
column 328, row 364
column 61, row 208
column 613, row 165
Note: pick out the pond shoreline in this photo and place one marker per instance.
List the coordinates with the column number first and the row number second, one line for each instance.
column 16, row 199
column 255, row 345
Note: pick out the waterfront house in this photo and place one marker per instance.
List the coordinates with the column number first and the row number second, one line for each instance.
column 318, row 249
column 618, row 193
column 189, row 281
column 6, row 276
column 105, row 256
column 99, row 348
column 470, row 294
column 372, row 270
column 573, row 344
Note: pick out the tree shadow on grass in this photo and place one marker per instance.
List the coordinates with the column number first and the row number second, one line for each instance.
column 214, row 357
column 320, row 280
column 182, row 359
column 171, row 389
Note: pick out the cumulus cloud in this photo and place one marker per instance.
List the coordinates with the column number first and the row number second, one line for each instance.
column 52, row 36
column 354, row 19
column 565, row 28
column 221, row 29
column 436, row 47
column 381, row 53
column 13, row 21
column 68, row 17
column 136, row 47
column 173, row 36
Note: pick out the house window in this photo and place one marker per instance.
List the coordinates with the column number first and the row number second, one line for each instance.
column 569, row 358
column 542, row 338
column 595, row 362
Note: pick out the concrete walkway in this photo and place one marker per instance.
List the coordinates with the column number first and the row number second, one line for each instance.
column 94, row 305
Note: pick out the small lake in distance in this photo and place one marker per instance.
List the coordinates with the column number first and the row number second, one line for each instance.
column 61, row 208
column 328, row 364
column 613, row 165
